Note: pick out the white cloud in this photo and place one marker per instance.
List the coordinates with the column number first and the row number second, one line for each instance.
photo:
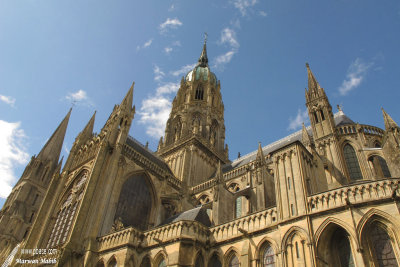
column 158, row 73
column 8, row 100
column 145, row 45
column 170, row 24
column 228, row 36
column 244, row 5
column 185, row 69
column 224, row 58
column 168, row 50
column 171, row 8
column 79, row 97
column 167, row 88
column 355, row 75
column 302, row 116
column 12, row 154
column 262, row 13
column 154, row 114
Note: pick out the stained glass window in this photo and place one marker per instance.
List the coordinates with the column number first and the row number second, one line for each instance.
column 234, row 262
column 268, row 258
column 162, row 263
column 239, row 203
column 382, row 246
column 352, row 163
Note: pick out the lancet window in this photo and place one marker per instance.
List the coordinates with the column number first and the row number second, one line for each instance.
column 268, row 256
column 352, row 163
column 234, row 261
column 381, row 246
column 199, row 92
column 67, row 212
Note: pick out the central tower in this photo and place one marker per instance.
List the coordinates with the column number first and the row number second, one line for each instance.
column 194, row 140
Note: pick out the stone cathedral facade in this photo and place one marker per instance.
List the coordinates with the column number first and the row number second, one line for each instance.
column 327, row 195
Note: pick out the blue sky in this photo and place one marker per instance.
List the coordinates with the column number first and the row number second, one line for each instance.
column 56, row 53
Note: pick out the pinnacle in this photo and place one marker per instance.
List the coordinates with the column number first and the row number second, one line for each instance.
column 389, row 122
column 128, row 99
column 312, row 82
column 203, row 60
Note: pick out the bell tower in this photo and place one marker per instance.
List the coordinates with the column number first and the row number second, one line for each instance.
column 194, row 140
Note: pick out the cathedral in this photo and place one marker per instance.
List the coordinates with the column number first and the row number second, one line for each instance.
column 327, row 195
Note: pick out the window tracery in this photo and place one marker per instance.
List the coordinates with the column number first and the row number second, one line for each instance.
column 268, row 257
column 382, row 247
column 67, row 212
column 234, row 261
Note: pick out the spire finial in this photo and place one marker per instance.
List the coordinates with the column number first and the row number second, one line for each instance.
column 203, row 60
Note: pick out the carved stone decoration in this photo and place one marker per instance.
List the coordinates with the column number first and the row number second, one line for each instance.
column 117, row 225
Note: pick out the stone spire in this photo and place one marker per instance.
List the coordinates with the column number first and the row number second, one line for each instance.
column 260, row 155
column 203, row 60
column 52, row 148
column 313, row 85
column 128, row 99
column 389, row 122
column 87, row 132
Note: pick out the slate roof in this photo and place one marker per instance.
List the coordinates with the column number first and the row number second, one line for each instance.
column 339, row 117
column 198, row 214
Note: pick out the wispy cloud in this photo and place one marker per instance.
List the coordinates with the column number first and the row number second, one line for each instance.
column 8, row 100
column 262, row 13
column 171, row 8
column 13, row 153
column 167, row 88
column 170, row 24
column 145, row 45
column 355, row 75
column 185, row 69
column 79, row 97
column 228, row 37
column 244, row 5
column 158, row 73
column 296, row 123
column 168, row 49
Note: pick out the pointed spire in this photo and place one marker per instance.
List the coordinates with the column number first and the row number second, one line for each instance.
column 305, row 138
column 128, row 99
column 52, row 149
column 87, row 132
column 260, row 153
column 389, row 122
column 313, row 85
column 203, row 60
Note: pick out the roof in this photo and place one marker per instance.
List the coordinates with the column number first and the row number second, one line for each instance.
column 339, row 117
column 146, row 152
column 198, row 214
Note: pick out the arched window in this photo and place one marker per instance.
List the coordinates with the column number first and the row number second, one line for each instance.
column 199, row 92
column 135, row 202
column 381, row 246
column 162, row 262
column 112, row 263
column 268, row 256
column 145, row 262
column 352, row 163
column 214, row 261
column 342, row 248
column 234, row 261
column 379, row 166
column 67, row 212
column 199, row 261
column 100, row 264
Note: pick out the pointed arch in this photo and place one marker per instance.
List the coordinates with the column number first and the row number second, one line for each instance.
column 266, row 252
column 146, row 261
column 332, row 221
column 231, row 258
column 198, row 259
column 379, row 238
column 100, row 263
column 293, row 230
column 160, row 259
column 112, row 262
column 352, row 162
column 136, row 201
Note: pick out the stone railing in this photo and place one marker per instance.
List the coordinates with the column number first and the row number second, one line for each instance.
column 201, row 187
column 180, row 230
column 131, row 236
column 174, row 181
column 354, row 194
column 367, row 129
column 352, row 129
column 247, row 224
column 124, row 237
column 346, row 129
column 235, row 172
